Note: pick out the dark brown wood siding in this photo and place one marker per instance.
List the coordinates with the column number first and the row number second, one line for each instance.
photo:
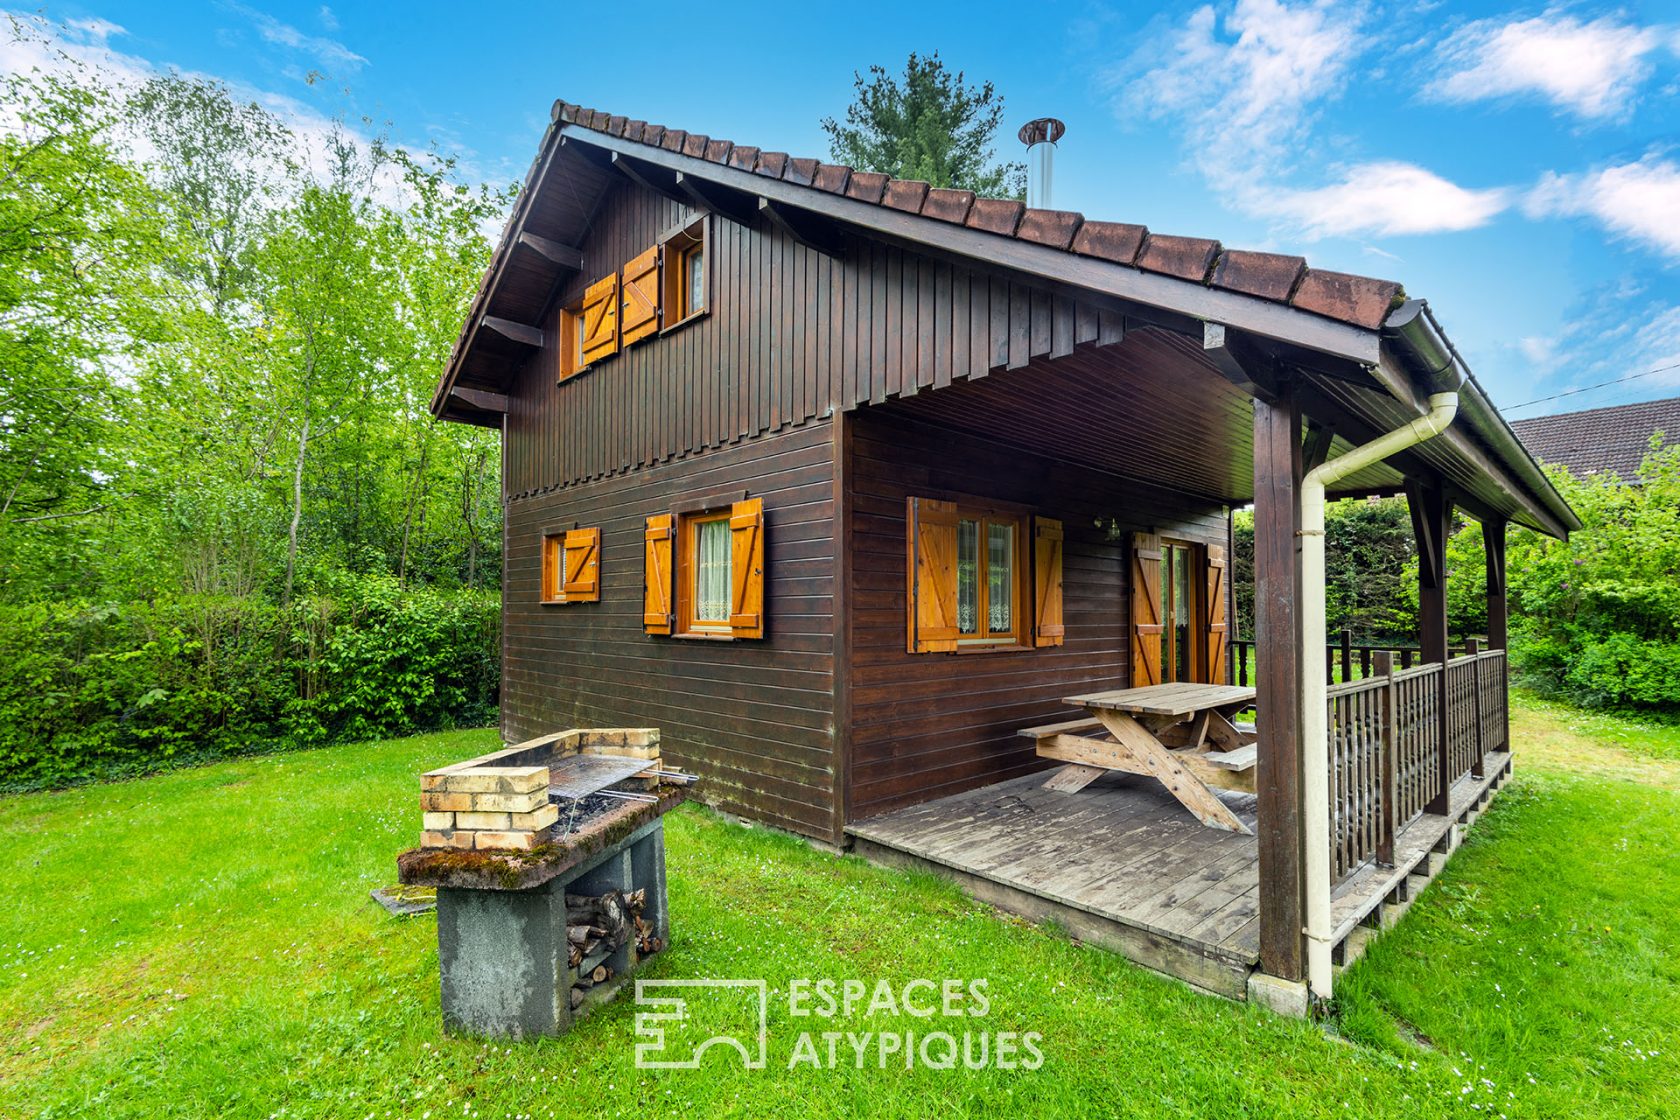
column 754, row 718
column 925, row 725
column 793, row 335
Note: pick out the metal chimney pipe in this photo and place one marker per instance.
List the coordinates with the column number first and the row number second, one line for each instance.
column 1040, row 137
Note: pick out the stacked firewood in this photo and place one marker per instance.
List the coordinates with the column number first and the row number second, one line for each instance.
column 597, row 926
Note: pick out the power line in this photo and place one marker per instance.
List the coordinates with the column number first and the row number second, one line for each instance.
column 1590, row 388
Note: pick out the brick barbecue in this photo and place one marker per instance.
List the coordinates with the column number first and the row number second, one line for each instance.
column 549, row 863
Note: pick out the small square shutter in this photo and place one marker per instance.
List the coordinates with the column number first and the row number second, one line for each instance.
column 1146, row 609
column 746, row 568
column 583, row 566
column 656, row 574
column 600, row 319
column 1047, row 582
column 1218, row 626
column 932, row 576
column 640, row 303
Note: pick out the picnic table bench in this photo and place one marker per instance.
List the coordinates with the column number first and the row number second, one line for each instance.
column 1184, row 735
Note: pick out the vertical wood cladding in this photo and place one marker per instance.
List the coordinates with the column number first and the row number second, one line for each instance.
column 792, row 335
column 754, row 718
column 925, row 725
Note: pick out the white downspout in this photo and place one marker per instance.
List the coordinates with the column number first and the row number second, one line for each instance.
column 1315, row 732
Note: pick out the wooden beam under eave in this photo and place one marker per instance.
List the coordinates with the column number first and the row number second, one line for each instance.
column 799, row 226
column 709, row 197
column 521, row 333
column 565, row 256
column 647, row 177
column 480, row 398
column 1240, row 361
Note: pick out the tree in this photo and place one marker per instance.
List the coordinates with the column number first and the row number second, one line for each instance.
column 932, row 127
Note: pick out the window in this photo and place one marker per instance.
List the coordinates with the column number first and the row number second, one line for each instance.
column 704, row 572
column 1178, row 614
column 571, row 566
column 589, row 328
column 683, row 288
column 1179, row 623
column 973, row 582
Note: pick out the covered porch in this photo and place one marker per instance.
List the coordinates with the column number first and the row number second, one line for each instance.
column 1413, row 754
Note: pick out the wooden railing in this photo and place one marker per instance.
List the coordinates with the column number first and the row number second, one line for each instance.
column 1354, row 660
column 1385, row 747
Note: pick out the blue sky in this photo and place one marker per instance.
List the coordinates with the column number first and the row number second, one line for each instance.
column 1516, row 165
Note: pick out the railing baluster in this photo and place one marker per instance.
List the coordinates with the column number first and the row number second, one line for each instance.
column 1388, row 747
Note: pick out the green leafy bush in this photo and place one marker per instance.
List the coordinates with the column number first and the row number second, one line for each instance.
column 97, row 690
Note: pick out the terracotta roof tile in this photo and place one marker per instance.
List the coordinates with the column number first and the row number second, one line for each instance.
column 832, row 177
column 1282, row 279
column 995, row 215
column 866, row 186
column 1054, row 228
column 905, row 194
column 1352, row 299
column 1187, row 258
column 1112, row 241
column 947, row 205
column 801, row 171
column 1267, row 275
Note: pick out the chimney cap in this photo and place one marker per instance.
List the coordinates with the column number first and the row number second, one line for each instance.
column 1044, row 130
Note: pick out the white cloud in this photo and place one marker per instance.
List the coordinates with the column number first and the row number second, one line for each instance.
column 1592, row 70
column 328, row 52
column 1250, row 81
column 1247, row 89
column 329, row 20
column 1385, row 198
column 1639, row 201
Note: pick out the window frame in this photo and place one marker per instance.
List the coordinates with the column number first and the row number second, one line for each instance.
column 551, row 571
column 687, row 590
column 571, row 340
column 1018, row 636
column 1195, row 560
column 676, row 245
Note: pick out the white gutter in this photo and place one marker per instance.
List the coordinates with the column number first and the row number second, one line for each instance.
column 1315, row 731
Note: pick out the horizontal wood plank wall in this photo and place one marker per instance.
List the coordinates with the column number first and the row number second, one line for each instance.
column 754, row 718
column 793, row 335
column 925, row 725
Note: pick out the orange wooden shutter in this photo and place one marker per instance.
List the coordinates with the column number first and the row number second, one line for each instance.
column 1217, row 624
column 932, row 576
column 600, row 319
column 656, row 574
column 1047, row 582
column 640, row 301
column 1146, row 609
column 746, row 568
column 583, row 566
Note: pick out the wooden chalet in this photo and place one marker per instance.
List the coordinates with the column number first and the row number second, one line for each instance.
column 844, row 482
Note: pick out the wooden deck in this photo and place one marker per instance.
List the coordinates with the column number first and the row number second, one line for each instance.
column 1122, row 864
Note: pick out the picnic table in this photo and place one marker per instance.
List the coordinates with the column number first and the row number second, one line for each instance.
column 1184, row 735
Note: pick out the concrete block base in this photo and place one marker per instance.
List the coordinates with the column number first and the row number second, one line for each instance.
column 1286, row 997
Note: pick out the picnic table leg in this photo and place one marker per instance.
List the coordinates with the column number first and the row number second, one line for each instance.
column 1191, row 791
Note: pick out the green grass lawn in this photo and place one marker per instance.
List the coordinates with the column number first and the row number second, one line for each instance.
column 201, row 944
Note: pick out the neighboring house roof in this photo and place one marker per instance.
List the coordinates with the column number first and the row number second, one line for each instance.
column 1594, row 440
column 1355, row 341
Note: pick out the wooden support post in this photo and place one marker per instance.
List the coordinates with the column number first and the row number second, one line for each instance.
column 1431, row 514
column 1493, row 548
column 1277, row 626
column 1389, row 766
column 1347, row 654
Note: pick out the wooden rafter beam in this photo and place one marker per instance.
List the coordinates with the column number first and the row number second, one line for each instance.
column 800, row 226
column 711, row 197
column 521, row 333
column 1240, row 361
column 480, row 399
column 656, row 179
column 566, row 256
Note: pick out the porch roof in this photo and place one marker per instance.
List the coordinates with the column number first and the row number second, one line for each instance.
column 1348, row 343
